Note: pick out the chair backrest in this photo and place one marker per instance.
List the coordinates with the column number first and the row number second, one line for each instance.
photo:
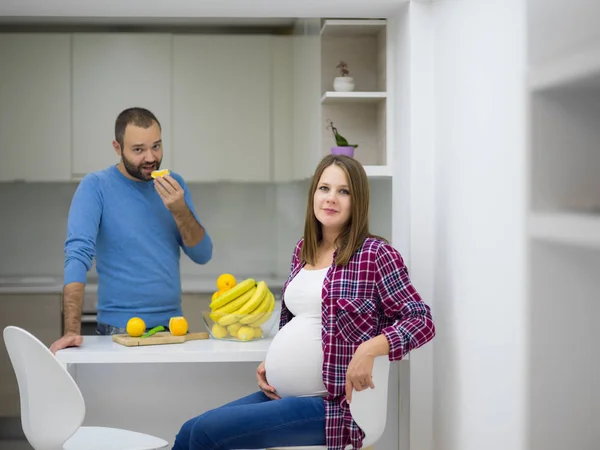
column 52, row 407
column 369, row 407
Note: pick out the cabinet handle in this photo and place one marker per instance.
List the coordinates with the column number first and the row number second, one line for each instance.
column 89, row 318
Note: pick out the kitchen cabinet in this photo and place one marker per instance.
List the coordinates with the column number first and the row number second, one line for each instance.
column 306, row 100
column 112, row 72
column 222, row 107
column 35, row 107
column 282, row 108
column 40, row 314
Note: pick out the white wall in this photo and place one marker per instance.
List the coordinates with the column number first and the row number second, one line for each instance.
column 480, row 349
column 253, row 226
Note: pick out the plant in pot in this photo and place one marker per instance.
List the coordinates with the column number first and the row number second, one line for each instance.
column 342, row 146
column 345, row 83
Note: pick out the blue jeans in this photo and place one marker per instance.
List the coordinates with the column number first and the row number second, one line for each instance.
column 256, row 422
column 103, row 329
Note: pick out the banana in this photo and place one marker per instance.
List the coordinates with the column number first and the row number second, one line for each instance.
column 257, row 298
column 267, row 315
column 259, row 311
column 233, row 293
column 230, row 307
column 228, row 319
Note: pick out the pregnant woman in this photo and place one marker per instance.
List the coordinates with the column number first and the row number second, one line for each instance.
column 348, row 299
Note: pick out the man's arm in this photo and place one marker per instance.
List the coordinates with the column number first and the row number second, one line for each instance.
column 72, row 303
column 189, row 228
column 72, row 306
column 80, row 248
column 196, row 242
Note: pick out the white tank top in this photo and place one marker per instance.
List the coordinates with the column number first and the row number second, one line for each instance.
column 294, row 362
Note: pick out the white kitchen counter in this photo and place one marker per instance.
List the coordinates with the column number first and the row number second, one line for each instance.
column 102, row 349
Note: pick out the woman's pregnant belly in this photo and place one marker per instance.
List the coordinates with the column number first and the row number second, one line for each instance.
column 294, row 362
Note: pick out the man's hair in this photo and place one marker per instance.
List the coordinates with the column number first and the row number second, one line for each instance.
column 140, row 117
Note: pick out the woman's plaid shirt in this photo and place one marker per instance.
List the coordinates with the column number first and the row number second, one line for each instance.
column 371, row 295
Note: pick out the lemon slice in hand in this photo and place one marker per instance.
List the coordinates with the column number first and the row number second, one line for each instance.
column 160, row 173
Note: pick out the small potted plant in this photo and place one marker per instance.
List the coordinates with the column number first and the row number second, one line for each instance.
column 342, row 146
column 345, row 83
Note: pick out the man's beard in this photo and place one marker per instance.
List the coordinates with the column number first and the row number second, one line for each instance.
column 136, row 171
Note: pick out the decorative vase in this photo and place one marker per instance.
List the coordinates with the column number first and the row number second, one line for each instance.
column 343, row 84
column 346, row 151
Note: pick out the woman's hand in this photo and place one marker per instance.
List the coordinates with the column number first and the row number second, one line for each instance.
column 261, row 377
column 360, row 371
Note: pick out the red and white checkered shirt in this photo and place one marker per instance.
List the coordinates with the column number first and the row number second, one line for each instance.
column 371, row 295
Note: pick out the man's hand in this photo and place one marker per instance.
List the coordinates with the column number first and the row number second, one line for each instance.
column 68, row 340
column 261, row 377
column 171, row 193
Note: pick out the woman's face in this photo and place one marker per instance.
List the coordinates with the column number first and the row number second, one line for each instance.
column 332, row 199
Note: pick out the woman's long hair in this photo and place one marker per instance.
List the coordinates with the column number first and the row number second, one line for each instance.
column 356, row 229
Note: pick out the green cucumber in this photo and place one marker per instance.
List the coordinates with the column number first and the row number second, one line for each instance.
column 152, row 331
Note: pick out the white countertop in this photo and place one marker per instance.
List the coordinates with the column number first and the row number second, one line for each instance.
column 54, row 285
column 102, row 350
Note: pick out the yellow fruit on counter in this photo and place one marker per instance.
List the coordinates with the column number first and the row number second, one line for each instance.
column 258, row 332
column 160, row 173
column 245, row 333
column 267, row 315
column 135, row 327
column 216, row 295
column 225, row 282
column 218, row 331
column 232, row 294
column 230, row 307
column 178, row 326
column 234, row 328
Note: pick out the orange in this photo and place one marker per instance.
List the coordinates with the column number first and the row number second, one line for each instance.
column 225, row 282
column 216, row 294
column 160, row 173
column 135, row 327
column 178, row 326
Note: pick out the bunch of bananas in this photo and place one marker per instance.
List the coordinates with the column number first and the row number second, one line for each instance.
column 241, row 310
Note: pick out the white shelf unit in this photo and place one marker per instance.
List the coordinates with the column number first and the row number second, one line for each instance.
column 577, row 70
column 360, row 115
column 563, row 278
column 332, row 97
column 576, row 229
column 352, row 28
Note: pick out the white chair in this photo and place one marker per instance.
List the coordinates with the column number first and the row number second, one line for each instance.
column 52, row 407
column 368, row 407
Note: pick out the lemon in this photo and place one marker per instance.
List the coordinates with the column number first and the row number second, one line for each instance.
column 245, row 333
column 234, row 328
column 160, row 173
column 225, row 282
column 258, row 332
column 178, row 326
column 135, row 327
column 218, row 331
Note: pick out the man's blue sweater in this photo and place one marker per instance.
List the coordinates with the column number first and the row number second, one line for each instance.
column 125, row 225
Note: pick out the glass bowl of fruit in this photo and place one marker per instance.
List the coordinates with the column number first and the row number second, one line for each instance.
column 245, row 312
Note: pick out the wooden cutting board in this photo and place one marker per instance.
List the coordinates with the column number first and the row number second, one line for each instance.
column 162, row 337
